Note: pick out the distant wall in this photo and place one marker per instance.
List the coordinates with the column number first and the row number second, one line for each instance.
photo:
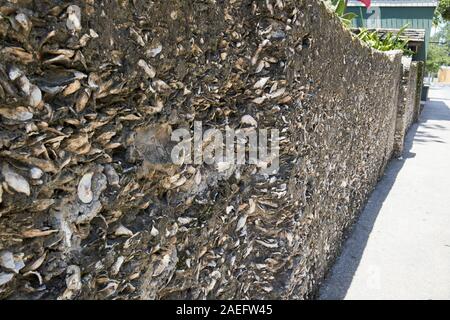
column 419, row 88
column 444, row 75
column 407, row 105
column 86, row 213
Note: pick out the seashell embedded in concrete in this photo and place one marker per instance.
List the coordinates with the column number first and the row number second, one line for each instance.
column 90, row 95
column 16, row 113
column 11, row 262
column 148, row 69
column 36, row 173
column 15, row 180
column 24, row 22
column 7, row 260
column 249, row 120
column 261, row 83
column 85, row 188
column 123, row 231
column 14, row 73
column 73, row 21
column 5, row 277
column 155, row 50
column 35, row 96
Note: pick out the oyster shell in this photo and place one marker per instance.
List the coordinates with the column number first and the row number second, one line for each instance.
column 15, row 180
column 85, row 193
column 5, row 277
column 73, row 21
column 16, row 113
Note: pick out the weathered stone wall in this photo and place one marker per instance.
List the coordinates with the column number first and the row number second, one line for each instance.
column 418, row 98
column 407, row 110
column 87, row 109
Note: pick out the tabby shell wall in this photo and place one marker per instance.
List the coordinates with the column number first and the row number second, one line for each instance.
column 408, row 108
column 90, row 93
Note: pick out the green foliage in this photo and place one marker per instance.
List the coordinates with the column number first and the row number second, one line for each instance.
column 439, row 50
column 339, row 7
column 442, row 12
column 388, row 42
column 437, row 57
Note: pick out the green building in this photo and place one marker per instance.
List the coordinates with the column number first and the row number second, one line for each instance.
column 394, row 14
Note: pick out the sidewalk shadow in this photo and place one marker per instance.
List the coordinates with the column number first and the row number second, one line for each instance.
column 339, row 278
column 435, row 111
column 440, row 111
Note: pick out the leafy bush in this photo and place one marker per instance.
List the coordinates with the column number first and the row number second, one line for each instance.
column 372, row 38
column 388, row 42
column 339, row 7
column 439, row 50
column 442, row 12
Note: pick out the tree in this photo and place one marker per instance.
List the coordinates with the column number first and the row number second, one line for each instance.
column 439, row 51
column 442, row 12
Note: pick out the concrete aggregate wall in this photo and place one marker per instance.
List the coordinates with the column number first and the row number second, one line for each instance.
column 89, row 96
column 407, row 103
column 409, row 108
column 420, row 76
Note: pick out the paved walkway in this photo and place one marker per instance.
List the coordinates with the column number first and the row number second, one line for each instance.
column 400, row 247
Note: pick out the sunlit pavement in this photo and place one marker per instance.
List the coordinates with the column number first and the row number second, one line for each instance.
column 400, row 247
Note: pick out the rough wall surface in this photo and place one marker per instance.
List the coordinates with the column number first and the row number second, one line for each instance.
column 407, row 105
column 418, row 98
column 87, row 105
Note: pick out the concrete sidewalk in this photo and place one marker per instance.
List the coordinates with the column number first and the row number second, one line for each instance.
column 400, row 247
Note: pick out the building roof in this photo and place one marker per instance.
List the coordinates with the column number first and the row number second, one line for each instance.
column 411, row 35
column 396, row 3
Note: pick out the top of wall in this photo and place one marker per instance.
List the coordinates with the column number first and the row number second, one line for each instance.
column 396, row 3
